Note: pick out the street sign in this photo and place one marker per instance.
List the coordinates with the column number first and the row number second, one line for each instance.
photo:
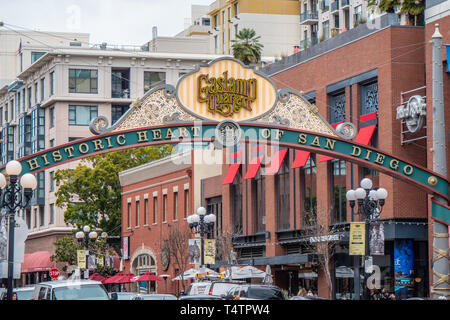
column 54, row 273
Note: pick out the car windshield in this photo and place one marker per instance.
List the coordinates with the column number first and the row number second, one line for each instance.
column 264, row 293
column 24, row 294
column 82, row 292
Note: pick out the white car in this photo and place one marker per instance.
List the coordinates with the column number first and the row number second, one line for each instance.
column 70, row 290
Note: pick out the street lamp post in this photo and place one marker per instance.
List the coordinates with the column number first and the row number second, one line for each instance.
column 14, row 196
column 204, row 225
column 86, row 236
column 370, row 204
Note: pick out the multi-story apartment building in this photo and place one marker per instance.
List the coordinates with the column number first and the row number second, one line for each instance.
column 275, row 21
column 53, row 101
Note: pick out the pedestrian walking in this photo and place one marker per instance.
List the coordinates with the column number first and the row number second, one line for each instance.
column 310, row 293
column 302, row 292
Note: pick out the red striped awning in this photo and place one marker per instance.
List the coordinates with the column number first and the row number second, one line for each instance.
column 37, row 261
column 277, row 160
column 233, row 168
column 301, row 159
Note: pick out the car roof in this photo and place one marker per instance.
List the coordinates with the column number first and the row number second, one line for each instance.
column 24, row 288
column 67, row 283
column 199, row 296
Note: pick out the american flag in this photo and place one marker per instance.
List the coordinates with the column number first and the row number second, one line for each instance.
column 20, row 48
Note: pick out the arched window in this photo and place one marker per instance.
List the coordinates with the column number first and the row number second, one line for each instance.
column 145, row 263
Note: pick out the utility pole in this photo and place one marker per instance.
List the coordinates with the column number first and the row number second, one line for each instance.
column 440, row 231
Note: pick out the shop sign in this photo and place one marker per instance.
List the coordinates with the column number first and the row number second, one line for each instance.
column 413, row 113
column 357, row 238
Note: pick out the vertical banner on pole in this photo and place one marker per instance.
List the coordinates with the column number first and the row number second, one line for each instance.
column 194, row 251
column 403, row 267
column 210, row 251
column 81, row 259
column 376, row 241
column 357, row 238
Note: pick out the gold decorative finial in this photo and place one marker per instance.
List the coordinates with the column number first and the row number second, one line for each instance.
column 136, row 103
column 432, row 181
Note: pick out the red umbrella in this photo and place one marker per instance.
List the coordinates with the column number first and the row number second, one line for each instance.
column 106, row 279
column 148, row 276
column 97, row 277
column 113, row 279
column 126, row 278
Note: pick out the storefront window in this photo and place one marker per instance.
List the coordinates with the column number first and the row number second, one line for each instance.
column 309, row 189
column 283, row 192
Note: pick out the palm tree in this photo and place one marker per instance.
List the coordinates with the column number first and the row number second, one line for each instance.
column 413, row 8
column 246, row 47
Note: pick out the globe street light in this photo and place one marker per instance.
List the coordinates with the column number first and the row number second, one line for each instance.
column 14, row 196
column 86, row 236
column 202, row 223
column 370, row 204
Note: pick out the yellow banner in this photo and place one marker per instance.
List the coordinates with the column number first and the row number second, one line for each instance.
column 100, row 261
column 210, row 251
column 81, row 259
column 357, row 239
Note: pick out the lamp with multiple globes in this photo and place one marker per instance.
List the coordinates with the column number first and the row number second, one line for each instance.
column 14, row 196
column 87, row 236
column 203, row 224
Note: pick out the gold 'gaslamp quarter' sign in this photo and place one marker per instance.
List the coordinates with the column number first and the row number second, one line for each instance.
column 225, row 95
column 226, row 89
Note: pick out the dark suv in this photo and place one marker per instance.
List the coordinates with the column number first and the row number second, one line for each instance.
column 255, row 292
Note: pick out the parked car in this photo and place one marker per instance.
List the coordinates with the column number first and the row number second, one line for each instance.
column 255, row 292
column 154, row 297
column 24, row 293
column 70, row 290
column 122, row 295
column 200, row 297
column 215, row 288
column 307, row 298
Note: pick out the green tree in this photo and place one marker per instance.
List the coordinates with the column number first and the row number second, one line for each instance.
column 384, row 5
column 414, row 8
column 246, row 47
column 91, row 193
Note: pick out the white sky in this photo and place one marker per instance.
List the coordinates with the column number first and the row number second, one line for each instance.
column 127, row 22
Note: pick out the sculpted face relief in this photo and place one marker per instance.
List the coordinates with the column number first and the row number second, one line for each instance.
column 224, row 95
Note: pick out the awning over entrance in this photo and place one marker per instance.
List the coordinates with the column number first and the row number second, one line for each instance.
column 277, row 161
column 365, row 134
column 37, row 261
column 301, row 159
column 255, row 162
column 233, row 169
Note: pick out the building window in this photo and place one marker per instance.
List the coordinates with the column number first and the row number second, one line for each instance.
column 145, row 212
column 129, row 214
column 36, row 55
column 52, row 181
column 236, row 9
column 186, row 203
column 259, row 208
column 283, row 192
column 338, row 191
column 29, row 97
column 137, row 213
column 35, row 216
column 236, row 203
column 357, row 18
column 155, row 210
column 369, row 98
column 52, row 143
column 82, row 115
column 36, row 93
column 175, row 206
column 41, row 216
column 42, row 89
column 309, row 190
column 83, row 81
column 118, row 111
column 337, row 108
column 165, row 208
column 52, row 83
column 28, row 217
column 214, row 206
column 153, row 79
column 52, row 117
column 52, row 213
column 326, row 30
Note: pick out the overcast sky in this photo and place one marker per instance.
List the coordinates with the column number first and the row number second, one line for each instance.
column 112, row 21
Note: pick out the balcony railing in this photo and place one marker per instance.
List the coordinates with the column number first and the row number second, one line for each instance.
column 308, row 42
column 335, row 6
column 125, row 93
column 309, row 15
column 345, row 3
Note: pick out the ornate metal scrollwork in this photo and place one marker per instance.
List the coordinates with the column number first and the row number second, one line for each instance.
column 278, row 120
column 284, row 95
column 99, row 125
column 174, row 118
column 169, row 91
column 346, row 130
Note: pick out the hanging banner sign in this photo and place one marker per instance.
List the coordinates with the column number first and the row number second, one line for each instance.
column 210, row 251
column 100, row 260
column 376, row 241
column 357, row 238
column 81, row 259
column 194, row 251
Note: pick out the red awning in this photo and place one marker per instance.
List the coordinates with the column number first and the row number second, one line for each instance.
column 277, row 160
column 233, row 169
column 368, row 117
column 37, row 261
column 301, row 159
column 365, row 134
column 255, row 163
